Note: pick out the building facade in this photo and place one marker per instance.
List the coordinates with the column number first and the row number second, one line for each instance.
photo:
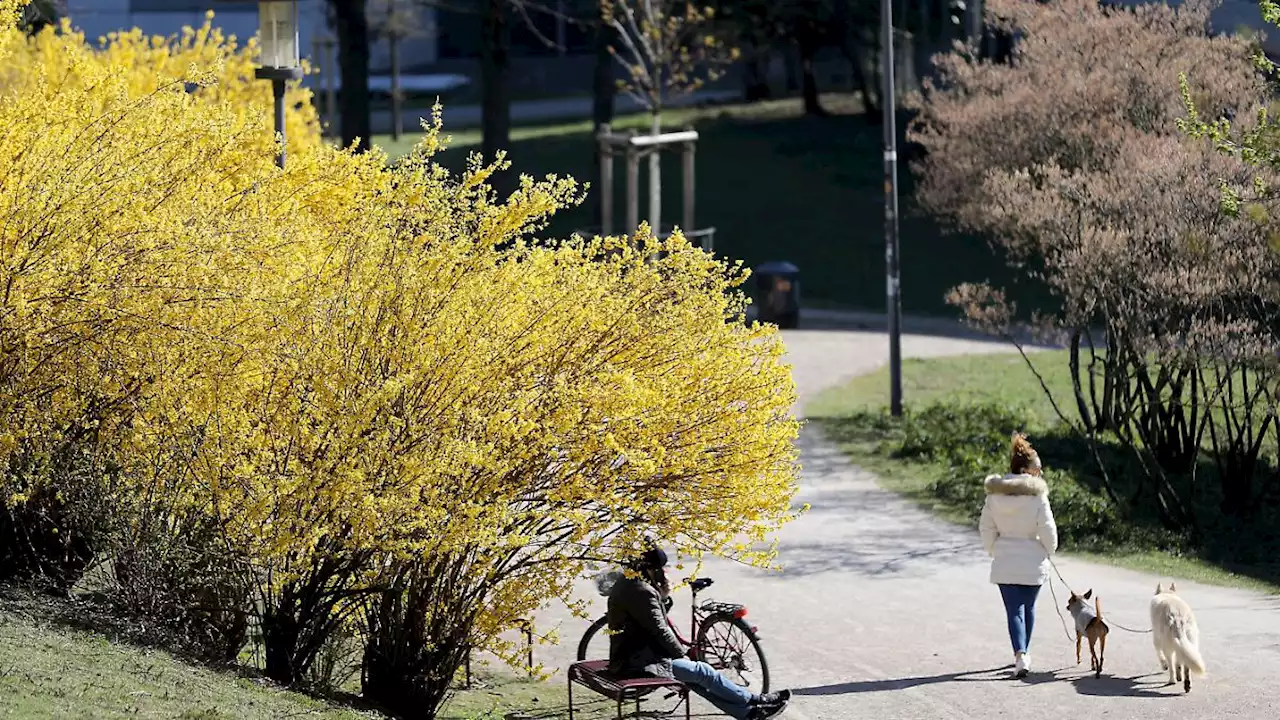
column 97, row 18
column 438, row 34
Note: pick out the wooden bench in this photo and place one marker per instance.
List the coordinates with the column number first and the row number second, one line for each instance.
column 594, row 675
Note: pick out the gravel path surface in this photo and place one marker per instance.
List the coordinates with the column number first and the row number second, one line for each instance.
column 882, row 611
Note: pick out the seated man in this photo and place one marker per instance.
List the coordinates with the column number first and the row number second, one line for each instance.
column 642, row 642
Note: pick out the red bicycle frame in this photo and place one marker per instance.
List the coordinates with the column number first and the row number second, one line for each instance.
column 739, row 612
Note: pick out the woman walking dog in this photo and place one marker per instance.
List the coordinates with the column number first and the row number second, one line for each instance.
column 1019, row 533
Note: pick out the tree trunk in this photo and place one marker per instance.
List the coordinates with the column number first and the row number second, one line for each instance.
column 603, row 87
column 417, row 636
column 495, row 104
column 756, row 78
column 397, row 98
column 792, row 69
column 603, row 90
column 353, row 60
column 974, row 23
column 852, row 42
column 809, row 89
column 280, row 636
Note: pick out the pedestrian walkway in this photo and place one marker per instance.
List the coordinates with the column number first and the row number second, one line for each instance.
column 884, row 612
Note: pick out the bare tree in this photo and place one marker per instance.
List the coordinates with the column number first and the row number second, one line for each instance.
column 396, row 20
column 357, row 21
column 667, row 47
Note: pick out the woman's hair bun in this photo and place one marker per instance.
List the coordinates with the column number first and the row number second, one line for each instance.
column 1023, row 456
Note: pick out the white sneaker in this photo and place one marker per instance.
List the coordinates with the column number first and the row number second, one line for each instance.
column 1022, row 665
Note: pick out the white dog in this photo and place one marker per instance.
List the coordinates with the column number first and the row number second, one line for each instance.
column 1176, row 636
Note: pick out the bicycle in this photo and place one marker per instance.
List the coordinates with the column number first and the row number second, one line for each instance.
column 724, row 639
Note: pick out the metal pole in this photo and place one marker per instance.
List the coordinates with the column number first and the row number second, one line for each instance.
column 893, row 296
column 633, row 190
column 330, row 95
column 605, row 191
column 397, row 110
column 686, row 152
column 528, row 639
column 655, row 179
column 317, row 50
column 561, row 36
column 277, row 87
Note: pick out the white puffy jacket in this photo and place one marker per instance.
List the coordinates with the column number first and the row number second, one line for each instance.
column 1017, row 529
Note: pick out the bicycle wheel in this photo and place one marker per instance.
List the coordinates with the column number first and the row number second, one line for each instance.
column 730, row 645
column 594, row 634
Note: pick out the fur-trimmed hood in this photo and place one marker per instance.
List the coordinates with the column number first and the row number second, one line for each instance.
column 1015, row 485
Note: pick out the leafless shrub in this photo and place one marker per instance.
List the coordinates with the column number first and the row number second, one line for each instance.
column 182, row 580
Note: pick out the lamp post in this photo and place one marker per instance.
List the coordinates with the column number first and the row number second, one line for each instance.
column 279, row 60
column 893, row 297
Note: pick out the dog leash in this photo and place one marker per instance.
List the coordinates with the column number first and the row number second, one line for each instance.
column 1058, row 572
column 1058, row 606
column 1136, row 632
column 1067, row 587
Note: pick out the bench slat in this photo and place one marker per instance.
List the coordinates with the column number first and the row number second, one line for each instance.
column 595, row 676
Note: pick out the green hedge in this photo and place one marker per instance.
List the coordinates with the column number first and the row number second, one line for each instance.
column 956, row 445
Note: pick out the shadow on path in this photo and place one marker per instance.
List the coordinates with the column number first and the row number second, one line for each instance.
column 878, row 556
column 891, row 539
column 869, row 686
column 1123, row 686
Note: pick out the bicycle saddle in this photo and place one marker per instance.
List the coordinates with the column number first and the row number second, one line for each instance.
column 700, row 584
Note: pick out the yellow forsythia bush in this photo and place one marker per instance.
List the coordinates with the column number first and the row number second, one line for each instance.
column 220, row 69
column 133, row 244
column 360, row 385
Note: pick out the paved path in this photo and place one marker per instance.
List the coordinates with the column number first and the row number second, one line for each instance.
column 883, row 612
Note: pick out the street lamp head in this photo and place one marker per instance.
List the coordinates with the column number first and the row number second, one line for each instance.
column 278, row 34
column 279, row 58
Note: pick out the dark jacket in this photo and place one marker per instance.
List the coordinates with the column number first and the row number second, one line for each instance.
column 640, row 641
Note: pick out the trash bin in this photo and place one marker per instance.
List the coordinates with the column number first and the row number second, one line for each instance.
column 778, row 294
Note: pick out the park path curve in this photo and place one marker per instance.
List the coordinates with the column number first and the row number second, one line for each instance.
column 882, row 611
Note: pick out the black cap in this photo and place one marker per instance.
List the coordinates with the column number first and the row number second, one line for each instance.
column 655, row 557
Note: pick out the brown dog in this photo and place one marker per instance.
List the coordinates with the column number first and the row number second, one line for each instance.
column 1089, row 624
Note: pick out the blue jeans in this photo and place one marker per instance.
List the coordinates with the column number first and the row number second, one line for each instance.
column 731, row 699
column 1020, row 608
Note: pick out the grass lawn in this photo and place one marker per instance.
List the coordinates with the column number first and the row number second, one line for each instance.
column 495, row 697
column 776, row 185
column 852, row 415
column 465, row 95
column 50, row 669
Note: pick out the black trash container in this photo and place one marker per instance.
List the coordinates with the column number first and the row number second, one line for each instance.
column 778, row 293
